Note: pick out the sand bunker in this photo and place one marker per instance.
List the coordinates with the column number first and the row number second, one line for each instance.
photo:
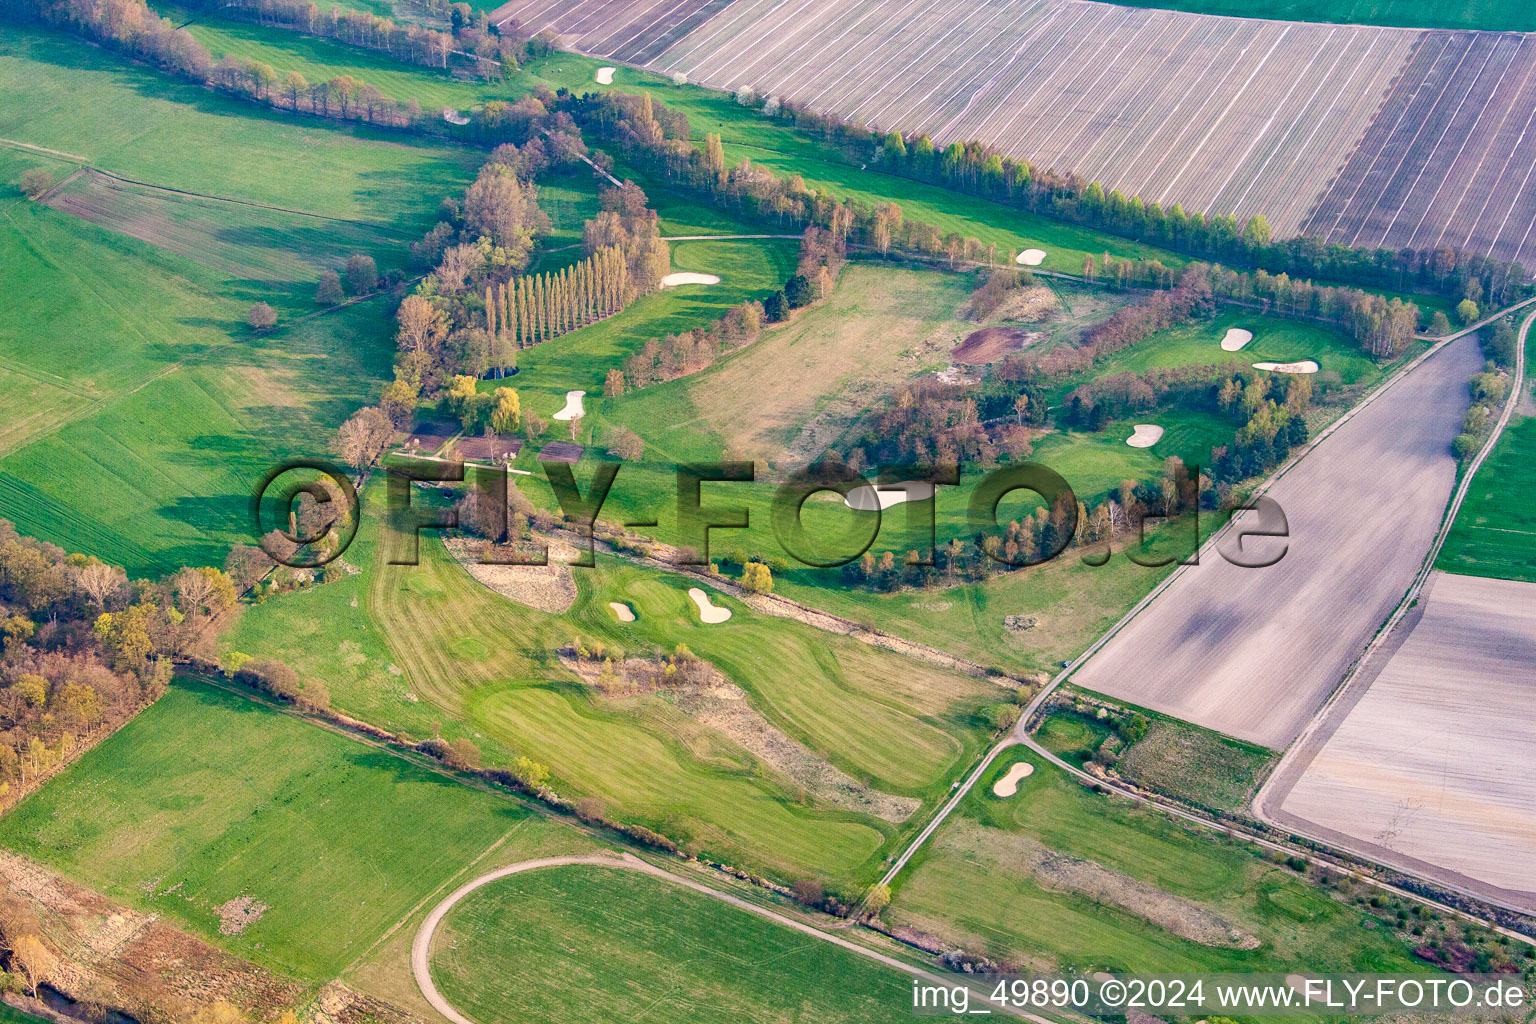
column 605, row 76
column 1032, row 257
column 709, row 613
column 1301, row 366
column 1235, row 339
column 573, row 407
column 1009, row 784
column 454, row 117
column 883, row 496
column 1145, row 435
column 624, row 612
column 673, row 280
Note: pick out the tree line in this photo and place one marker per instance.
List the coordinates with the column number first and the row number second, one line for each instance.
column 978, row 168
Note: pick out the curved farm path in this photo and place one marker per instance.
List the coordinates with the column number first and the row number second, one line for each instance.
column 421, row 946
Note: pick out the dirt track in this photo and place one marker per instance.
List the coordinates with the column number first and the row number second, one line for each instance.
column 1254, row 652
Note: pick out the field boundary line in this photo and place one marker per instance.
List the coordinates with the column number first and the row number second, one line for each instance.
column 45, row 151
column 421, row 946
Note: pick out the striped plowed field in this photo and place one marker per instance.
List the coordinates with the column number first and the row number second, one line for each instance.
column 1375, row 136
column 1449, row 159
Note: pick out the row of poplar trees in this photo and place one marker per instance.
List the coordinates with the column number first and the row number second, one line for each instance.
column 528, row 310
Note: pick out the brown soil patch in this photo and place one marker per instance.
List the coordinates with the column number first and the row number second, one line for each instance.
column 990, row 344
column 134, row 962
column 1061, row 873
column 238, row 914
column 548, row 588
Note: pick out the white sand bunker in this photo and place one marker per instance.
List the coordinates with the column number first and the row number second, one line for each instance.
column 1235, row 339
column 454, row 117
column 883, row 496
column 1301, row 366
column 673, row 280
column 605, row 76
column 1009, row 784
column 573, row 407
column 1145, row 435
column 1032, row 257
column 624, row 612
column 709, row 613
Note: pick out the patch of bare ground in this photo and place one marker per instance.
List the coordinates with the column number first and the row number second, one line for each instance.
column 1027, row 305
column 338, row 1004
column 990, row 344
column 547, row 588
column 116, row 957
column 703, row 693
column 1060, row 873
column 238, row 914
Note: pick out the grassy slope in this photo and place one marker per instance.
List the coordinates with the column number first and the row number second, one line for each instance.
column 1503, row 15
column 207, row 796
column 139, row 437
column 958, row 890
column 583, row 943
column 1495, row 532
column 400, row 657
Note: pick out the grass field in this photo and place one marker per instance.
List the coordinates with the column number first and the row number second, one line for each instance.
column 1495, row 531
column 144, row 408
column 207, row 797
column 1181, row 760
column 1144, row 894
column 586, row 944
column 392, row 645
column 1274, row 340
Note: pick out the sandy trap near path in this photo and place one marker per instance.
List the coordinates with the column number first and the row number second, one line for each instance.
column 1145, row 435
column 673, row 280
column 604, row 76
column 623, row 611
column 709, row 613
column 1031, row 257
column 573, row 407
column 1300, row 366
column 1008, row 785
column 1236, row 339
column 884, row 496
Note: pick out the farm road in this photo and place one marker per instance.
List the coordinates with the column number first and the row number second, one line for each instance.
column 421, row 947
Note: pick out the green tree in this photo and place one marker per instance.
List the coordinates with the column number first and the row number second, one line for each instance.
column 1466, row 311
column 506, row 415
column 1440, row 324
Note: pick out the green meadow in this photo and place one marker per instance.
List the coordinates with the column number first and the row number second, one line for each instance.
column 208, row 797
column 587, row 943
column 1060, row 878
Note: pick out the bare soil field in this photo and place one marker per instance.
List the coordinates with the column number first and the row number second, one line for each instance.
column 990, row 344
column 1431, row 767
column 1253, row 652
column 1448, row 160
column 1379, row 136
